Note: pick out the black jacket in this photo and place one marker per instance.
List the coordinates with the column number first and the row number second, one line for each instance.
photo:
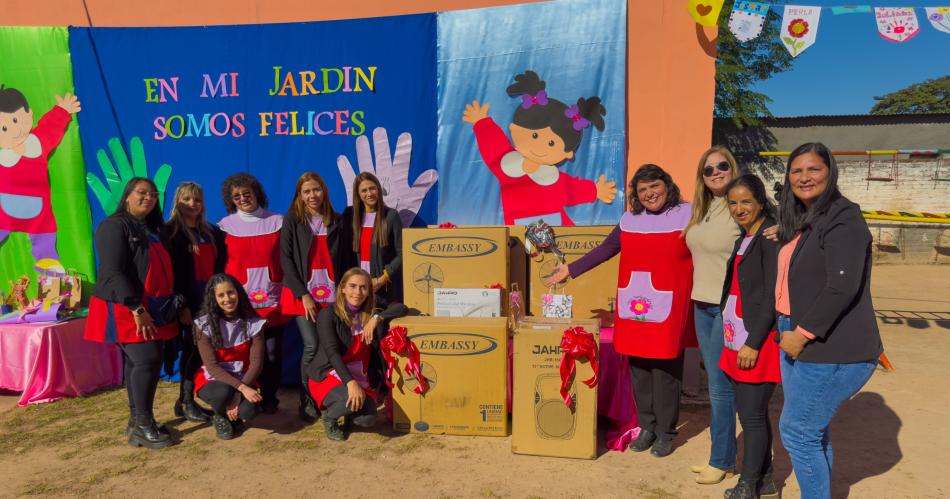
column 295, row 241
column 122, row 243
column 829, row 281
column 388, row 258
column 757, row 274
column 334, row 338
column 183, row 263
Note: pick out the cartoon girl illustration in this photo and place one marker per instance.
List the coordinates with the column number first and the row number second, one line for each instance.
column 545, row 134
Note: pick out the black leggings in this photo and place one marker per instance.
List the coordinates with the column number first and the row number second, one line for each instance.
column 752, row 403
column 188, row 364
column 273, row 362
column 335, row 407
column 218, row 395
column 143, row 365
column 656, row 389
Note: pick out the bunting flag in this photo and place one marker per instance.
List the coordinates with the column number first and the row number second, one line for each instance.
column 851, row 9
column 799, row 28
column 705, row 12
column 897, row 24
column 939, row 18
column 746, row 19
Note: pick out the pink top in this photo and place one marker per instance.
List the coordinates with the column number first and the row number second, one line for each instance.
column 782, row 303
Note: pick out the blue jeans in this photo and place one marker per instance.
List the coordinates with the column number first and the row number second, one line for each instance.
column 813, row 394
column 722, row 398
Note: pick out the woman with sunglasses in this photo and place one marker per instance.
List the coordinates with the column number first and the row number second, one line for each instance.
column 253, row 242
column 711, row 235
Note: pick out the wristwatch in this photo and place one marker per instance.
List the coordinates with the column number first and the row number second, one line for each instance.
column 377, row 317
column 139, row 311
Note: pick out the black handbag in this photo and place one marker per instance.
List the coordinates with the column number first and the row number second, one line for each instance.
column 164, row 309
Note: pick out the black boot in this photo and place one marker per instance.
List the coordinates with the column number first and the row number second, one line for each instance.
column 333, row 430
column 766, row 485
column 223, row 427
column 186, row 406
column 743, row 490
column 308, row 410
column 145, row 433
column 644, row 441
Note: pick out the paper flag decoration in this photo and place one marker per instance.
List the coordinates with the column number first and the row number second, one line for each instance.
column 799, row 28
column 939, row 18
column 705, row 12
column 897, row 24
column 746, row 19
column 851, row 9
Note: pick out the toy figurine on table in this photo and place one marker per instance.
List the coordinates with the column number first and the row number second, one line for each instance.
column 545, row 134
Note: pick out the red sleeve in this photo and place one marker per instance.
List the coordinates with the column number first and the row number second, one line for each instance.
column 579, row 190
column 51, row 128
column 493, row 144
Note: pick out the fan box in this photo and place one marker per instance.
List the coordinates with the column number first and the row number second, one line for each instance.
column 465, row 362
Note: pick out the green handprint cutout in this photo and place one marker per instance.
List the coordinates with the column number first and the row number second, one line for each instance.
column 121, row 172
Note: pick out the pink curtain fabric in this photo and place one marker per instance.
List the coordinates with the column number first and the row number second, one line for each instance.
column 47, row 362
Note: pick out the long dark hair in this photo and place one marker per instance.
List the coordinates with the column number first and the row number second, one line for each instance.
column 153, row 219
column 755, row 186
column 242, row 180
column 648, row 173
column 209, row 306
column 792, row 214
column 554, row 113
column 379, row 227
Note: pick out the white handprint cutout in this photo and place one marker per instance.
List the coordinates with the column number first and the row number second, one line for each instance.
column 392, row 171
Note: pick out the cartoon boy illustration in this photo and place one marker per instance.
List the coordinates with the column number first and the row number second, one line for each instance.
column 24, row 183
column 545, row 133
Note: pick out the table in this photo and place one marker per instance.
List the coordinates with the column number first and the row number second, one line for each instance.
column 49, row 361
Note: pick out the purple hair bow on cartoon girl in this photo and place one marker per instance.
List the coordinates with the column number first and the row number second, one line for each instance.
column 540, row 98
column 574, row 114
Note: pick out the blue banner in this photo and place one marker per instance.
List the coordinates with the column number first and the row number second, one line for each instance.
column 505, row 152
column 274, row 100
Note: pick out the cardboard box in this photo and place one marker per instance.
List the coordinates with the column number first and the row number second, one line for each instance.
column 452, row 258
column 542, row 424
column 595, row 293
column 465, row 362
column 467, row 302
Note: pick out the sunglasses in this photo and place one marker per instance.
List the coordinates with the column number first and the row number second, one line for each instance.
column 722, row 166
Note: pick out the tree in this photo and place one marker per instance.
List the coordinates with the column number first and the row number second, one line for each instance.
column 739, row 65
column 931, row 96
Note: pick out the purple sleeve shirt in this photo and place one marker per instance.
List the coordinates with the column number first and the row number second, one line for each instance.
column 598, row 255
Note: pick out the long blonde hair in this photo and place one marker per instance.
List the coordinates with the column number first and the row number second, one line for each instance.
column 702, row 196
column 299, row 208
column 177, row 222
column 366, row 309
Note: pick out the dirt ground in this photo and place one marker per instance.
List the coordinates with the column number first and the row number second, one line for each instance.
column 891, row 440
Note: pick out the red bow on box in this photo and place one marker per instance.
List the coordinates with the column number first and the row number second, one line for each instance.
column 576, row 343
column 399, row 343
column 447, row 225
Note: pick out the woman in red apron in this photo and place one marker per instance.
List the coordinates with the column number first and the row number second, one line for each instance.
column 348, row 331
column 253, row 242
column 197, row 252
column 313, row 249
column 653, row 300
column 377, row 237
column 133, row 302
column 750, row 357
column 232, row 351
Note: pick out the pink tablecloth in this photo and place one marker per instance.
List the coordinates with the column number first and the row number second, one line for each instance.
column 614, row 396
column 50, row 361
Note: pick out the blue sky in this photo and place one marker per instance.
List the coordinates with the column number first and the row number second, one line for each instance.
column 850, row 62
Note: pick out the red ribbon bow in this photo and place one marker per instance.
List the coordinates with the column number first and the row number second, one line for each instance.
column 399, row 343
column 447, row 225
column 576, row 343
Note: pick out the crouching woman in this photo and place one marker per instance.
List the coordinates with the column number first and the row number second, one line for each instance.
column 232, row 353
column 347, row 332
